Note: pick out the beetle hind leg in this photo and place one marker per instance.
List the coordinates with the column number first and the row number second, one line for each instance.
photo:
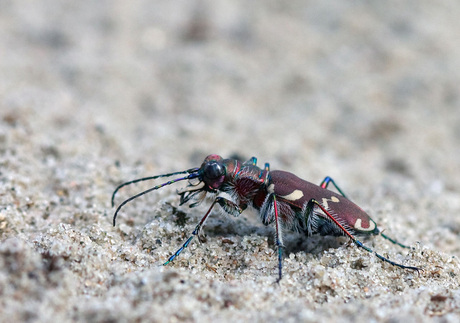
column 327, row 180
column 318, row 221
column 394, row 241
column 346, row 232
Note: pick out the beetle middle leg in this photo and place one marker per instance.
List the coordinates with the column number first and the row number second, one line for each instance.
column 327, row 180
column 279, row 239
column 270, row 213
column 314, row 202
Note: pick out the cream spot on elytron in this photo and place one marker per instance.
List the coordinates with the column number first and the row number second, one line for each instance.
column 271, row 188
column 294, row 196
column 332, row 199
column 359, row 227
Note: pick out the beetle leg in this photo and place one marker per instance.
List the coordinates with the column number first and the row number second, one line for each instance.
column 328, row 180
column 195, row 232
column 279, row 240
column 251, row 162
column 394, row 241
column 228, row 206
column 269, row 210
column 356, row 241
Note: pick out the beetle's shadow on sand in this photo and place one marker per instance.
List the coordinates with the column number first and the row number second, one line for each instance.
column 293, row 241
column 218, row 226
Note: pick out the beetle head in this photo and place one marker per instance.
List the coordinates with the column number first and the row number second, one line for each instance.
column 213, row 172
column 208, row 178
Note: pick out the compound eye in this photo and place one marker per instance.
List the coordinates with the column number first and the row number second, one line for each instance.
column 213, row 170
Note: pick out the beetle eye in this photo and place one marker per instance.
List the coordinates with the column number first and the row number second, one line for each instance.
column 213, row 170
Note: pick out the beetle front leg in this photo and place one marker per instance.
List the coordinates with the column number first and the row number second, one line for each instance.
column 228, row 206
column 194, row 233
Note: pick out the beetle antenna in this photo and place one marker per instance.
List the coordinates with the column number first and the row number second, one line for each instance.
column 191, row 170
column 192, row 175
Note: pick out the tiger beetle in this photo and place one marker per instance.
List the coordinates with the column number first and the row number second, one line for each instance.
column 281, row 198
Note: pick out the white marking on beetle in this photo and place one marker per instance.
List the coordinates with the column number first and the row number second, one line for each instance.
column 332, row 199
column 271, row 188
column 294, row 196
column 360, row 228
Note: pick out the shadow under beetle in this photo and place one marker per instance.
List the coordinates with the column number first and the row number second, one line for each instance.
column 281, row 198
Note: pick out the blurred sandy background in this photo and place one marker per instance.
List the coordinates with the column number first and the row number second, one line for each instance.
column 96, row 93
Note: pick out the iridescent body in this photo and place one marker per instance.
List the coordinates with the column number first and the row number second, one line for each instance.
column 281, row 198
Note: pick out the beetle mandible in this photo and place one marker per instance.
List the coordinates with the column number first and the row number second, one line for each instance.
column 281, row 198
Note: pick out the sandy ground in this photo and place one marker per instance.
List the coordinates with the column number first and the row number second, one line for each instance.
column 96, row 93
